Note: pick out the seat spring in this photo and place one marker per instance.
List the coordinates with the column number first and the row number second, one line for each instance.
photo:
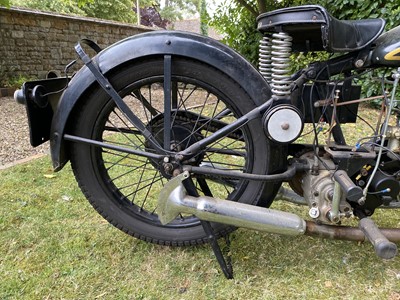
column 281, row 50
column 265, row 58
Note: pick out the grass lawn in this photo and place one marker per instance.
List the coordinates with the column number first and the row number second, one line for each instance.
column 53, row 245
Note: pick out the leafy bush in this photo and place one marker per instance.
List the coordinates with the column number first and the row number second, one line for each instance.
column 13, row 82
column 238, row 23
column 239, row 28
column 389, row 10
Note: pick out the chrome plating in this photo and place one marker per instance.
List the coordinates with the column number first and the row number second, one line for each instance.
column 281, row 51
column 174, row 200
column 265, row 58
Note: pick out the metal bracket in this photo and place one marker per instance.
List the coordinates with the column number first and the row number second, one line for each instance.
column 109, row 89
column 167, row 212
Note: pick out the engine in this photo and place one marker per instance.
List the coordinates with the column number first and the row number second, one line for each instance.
column 317, row 186
column 329, row 202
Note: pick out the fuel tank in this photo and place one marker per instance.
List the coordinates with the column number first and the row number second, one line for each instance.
column 387, row 49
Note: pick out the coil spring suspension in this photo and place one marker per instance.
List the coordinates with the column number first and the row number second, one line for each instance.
column 265, row 58
column 275, row 62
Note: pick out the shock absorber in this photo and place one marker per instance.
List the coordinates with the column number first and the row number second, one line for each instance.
column 283, row 123
column 274, row 62
column 281, row 51
column 265, row 58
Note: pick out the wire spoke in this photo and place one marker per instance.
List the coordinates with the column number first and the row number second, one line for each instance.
column 148, row 190
column 195, row 113
column 128, row 156
column 146, row 104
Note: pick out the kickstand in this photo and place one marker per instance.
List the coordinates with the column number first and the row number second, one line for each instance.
column 225, row 265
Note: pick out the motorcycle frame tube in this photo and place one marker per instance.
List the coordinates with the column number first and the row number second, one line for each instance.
column 168, row 44
column 187, row 153
column 147, row 45
column 193, row 149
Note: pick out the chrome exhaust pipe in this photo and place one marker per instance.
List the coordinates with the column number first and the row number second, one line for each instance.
column 174, row 200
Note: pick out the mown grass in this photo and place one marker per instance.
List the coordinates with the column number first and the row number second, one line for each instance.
column 53, row 245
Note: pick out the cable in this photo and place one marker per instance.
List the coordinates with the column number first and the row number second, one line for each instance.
column 316, row 142
column 383, row 148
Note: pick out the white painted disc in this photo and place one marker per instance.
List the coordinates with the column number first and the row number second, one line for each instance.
column 284, row 124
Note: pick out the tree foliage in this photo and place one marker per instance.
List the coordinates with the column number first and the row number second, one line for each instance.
column 238, row 25
column 236, row 19
column 5, row 3
column 149, row 16
column 389, row 10
column 176, row 9
column 118, row 10
column 354, row 10
column 204, row 17
column 60, row 6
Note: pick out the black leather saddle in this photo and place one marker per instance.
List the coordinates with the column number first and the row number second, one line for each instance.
column 314, row 29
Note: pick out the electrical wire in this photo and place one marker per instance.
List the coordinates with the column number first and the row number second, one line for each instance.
column 384, row 130
column 383, row 148
column 361, row 118
column 315, row 143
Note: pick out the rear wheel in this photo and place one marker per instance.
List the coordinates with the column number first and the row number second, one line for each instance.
column 124, row 188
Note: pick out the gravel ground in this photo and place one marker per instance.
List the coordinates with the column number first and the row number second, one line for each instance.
column 14, row 134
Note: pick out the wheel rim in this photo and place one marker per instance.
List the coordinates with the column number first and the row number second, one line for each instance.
column 134, row 182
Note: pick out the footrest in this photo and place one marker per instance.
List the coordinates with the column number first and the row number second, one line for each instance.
column 383, row 247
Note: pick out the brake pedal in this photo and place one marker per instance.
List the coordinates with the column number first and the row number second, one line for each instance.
column 383, row 247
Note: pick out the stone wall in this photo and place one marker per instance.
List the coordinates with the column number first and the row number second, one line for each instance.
column 32, row 42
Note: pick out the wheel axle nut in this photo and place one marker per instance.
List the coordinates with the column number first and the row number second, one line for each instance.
column 168, row 167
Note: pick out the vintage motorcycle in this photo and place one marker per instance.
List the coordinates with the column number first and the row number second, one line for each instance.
column 176, row 139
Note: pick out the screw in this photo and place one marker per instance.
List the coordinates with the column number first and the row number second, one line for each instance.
column 314, row 212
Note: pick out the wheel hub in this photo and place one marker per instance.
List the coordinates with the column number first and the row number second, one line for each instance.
column 183, row 135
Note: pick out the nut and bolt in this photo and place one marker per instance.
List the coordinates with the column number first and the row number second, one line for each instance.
column 314, row 212
column 168, row 167
column 359, row 63
column 364, row 172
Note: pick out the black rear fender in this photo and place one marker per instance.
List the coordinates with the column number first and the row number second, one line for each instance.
column 152, row 44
